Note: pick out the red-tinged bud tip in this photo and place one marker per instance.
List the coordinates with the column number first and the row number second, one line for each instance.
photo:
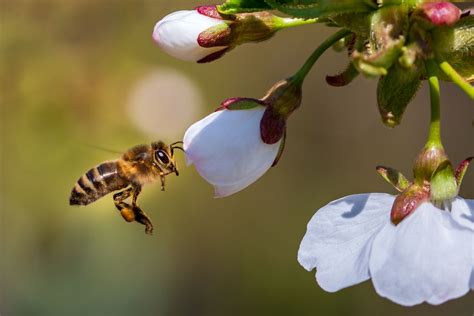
column 239, row 103
column 209, row 10
column 441, row 13
column 461, row 170
column 407, row 202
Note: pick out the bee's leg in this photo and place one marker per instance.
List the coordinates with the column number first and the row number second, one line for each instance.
column 140, row 216
column 162, row 178
column 125, row 209
column 137, row 189
column 123, row 195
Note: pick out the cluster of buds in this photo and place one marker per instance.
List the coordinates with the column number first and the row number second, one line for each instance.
column 394, row 42
column 401, row 42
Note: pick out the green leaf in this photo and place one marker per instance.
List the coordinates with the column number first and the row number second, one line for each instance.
column 239, row 6
column 320, row 8
column 395, row 91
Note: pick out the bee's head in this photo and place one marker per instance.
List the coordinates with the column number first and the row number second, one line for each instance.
column 163, row 157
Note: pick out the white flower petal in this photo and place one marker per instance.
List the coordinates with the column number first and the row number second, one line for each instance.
column 178, row 32
column 462, row 212
column 227, row 150
column 339, row 237
column 427, row 257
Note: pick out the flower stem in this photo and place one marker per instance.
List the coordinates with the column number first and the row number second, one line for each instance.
column 457, row 78
column 434, row 137
column 290, row 22
column 299, row 77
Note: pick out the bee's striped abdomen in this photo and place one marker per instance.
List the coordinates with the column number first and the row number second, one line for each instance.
column 96, row 183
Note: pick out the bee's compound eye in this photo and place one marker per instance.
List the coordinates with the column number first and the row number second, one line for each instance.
column 162, row 156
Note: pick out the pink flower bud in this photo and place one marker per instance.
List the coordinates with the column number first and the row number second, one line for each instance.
column 177, row 34
column 441, row 13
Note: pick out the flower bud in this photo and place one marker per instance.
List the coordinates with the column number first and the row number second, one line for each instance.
column 435, row 181
column 203, row 35
column 226, row 147
column 438, row 13
column 433, row 168
column 234, row 146
column 428, row 161
column 177, row 34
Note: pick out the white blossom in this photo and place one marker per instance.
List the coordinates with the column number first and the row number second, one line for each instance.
column 227, row 150
column 177, row 34
column 428, row 257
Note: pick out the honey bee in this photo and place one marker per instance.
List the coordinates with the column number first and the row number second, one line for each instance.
column 139, row 165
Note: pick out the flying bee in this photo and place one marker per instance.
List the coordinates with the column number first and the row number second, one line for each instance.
column 139, row 165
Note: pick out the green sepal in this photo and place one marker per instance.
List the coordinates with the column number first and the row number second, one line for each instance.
column 455, row 44
column 217, row 35
column 461, row 170
column 395, row 91
column 320, row 8
column 394, row 177
column 244, row 104
column 443, row 183
column 389, row 26
column 376, row 64
column 241, row 6
column 343, row 78
column 408, row 201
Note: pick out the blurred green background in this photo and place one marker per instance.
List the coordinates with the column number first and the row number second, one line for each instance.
column 81, row 73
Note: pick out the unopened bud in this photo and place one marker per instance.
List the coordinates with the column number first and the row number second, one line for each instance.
column 439, row 13
column 203, row 34
column 428, row 161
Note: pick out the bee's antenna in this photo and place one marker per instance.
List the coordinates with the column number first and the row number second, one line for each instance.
column 102, row 148
column 178, row 142
column 176, row 147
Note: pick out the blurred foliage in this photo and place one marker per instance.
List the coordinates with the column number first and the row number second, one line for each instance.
column 66, row 69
